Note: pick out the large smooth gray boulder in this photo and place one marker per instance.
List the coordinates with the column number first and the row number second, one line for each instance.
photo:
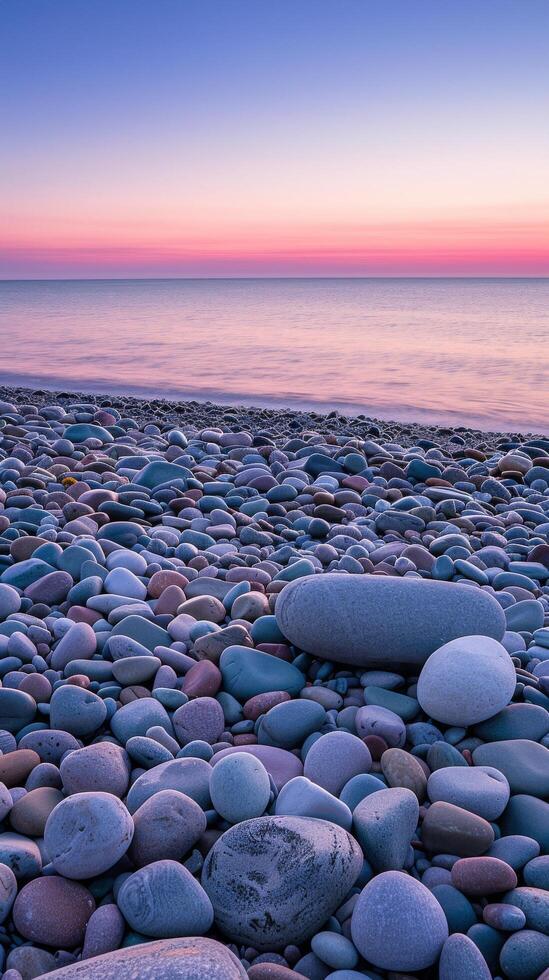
column 370, row 620
column 274, row 881
column 171, row 959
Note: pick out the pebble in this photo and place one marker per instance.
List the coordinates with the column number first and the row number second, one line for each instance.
column 53, row 911
column 524, row 763
column 166, row 826
column 334, row 759
column 480, row 789
column 466, row 681
column 164, row 901
column 460, row 959
column 385, row 823
column 87, row 833
column 449, row 829
column 397, row 924
column 482, row 875
column 301, row 798
column 240, row 787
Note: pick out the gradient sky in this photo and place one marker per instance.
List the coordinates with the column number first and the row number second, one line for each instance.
column 273, row 137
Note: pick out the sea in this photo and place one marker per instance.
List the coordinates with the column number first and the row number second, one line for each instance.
column 459, row 352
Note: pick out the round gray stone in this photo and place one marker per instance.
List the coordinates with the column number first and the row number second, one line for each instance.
column 466, row 681
column 397, row 923
column 87, row 834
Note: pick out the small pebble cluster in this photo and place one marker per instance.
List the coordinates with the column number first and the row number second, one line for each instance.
column 274, row 695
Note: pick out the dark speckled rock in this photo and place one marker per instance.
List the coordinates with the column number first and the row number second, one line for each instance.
column 275, row 880
column 171, row 959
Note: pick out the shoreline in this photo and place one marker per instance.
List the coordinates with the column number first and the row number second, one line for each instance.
column 287, row 419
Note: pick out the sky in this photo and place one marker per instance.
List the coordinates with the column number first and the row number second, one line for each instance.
column 152, row 138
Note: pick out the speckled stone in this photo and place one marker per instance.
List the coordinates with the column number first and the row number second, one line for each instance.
column 275, row 880
column 102, row 767
column 171, row 959
column 53, row 911
column 462, row 960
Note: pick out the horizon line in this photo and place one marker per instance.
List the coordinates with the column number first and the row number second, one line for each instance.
column 268, row 278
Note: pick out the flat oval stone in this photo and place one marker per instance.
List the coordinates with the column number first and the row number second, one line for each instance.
column 53, row 911
column 524, row 763
column 397, row 924
column 480, row 789
column 87, row 834
column 171, row 959
column 520, row 720
column 466, row 681
column 482, row 875
column 275, row 880
column 247, row 672
column 164, row 901
column 449, row 829
column 369, row 620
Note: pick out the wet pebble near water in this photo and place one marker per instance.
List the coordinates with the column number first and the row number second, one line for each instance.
column 274, row 695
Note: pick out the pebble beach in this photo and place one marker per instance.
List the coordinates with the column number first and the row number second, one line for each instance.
column 274, row 694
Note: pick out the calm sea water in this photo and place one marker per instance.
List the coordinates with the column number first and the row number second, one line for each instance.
column 462, row 351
